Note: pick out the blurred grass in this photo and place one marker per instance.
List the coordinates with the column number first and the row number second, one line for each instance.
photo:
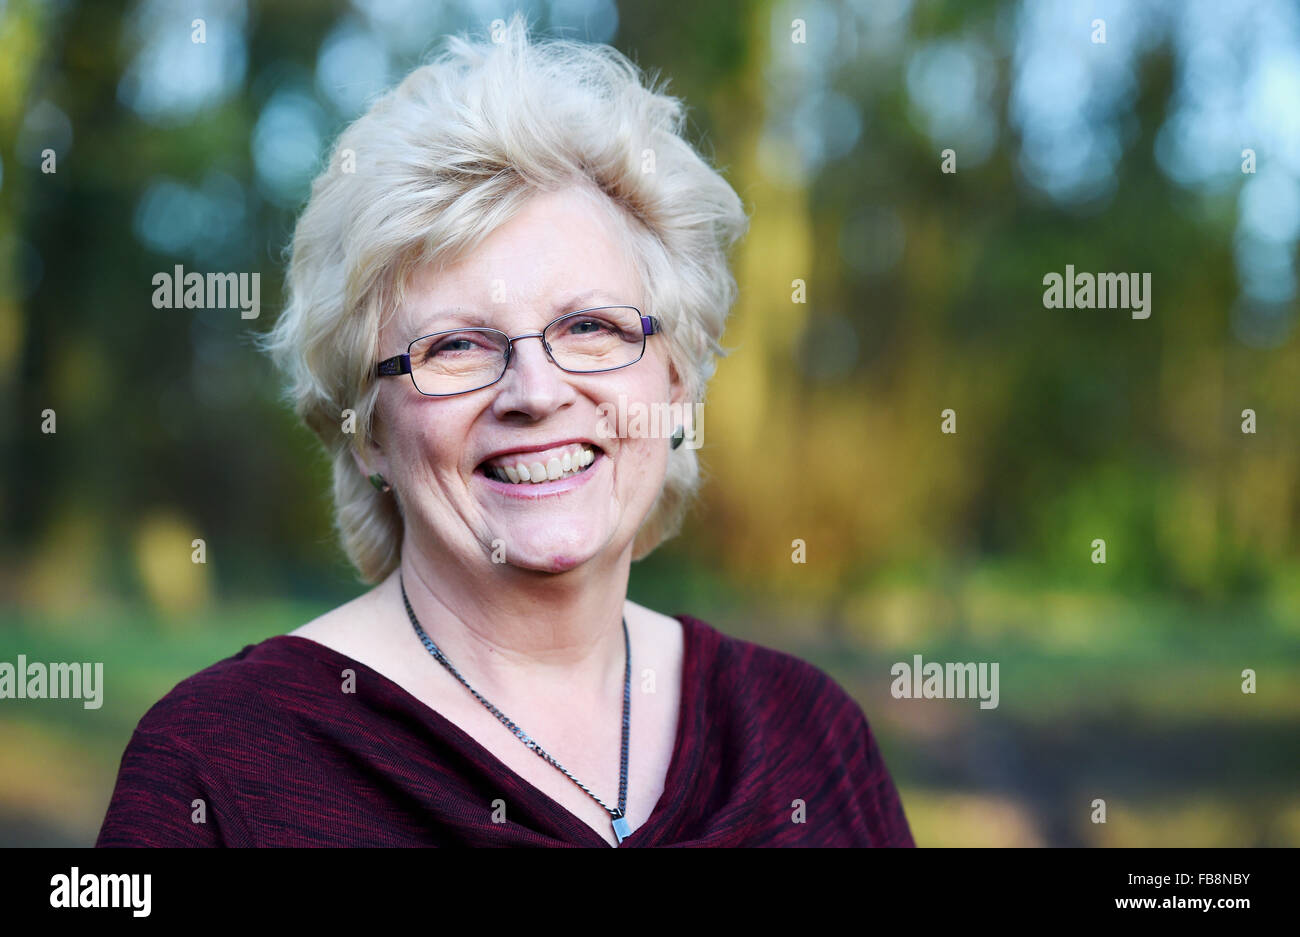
column 61, row 759
column 1154, row 723
column 1159, row 729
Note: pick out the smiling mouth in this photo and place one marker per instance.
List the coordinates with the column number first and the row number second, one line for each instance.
column 526, row 468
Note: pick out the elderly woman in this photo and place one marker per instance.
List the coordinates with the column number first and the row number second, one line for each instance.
column 509, row 257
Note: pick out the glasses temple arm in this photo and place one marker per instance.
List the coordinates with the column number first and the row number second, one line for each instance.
column 398, row 364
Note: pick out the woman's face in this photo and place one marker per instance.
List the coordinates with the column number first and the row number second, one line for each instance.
column 561, row 253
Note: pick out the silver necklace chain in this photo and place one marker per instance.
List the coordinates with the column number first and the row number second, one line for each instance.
column 618, row 816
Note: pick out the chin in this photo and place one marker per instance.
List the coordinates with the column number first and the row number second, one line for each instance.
column 563, row 562
column 555, row 562
column 556, row 543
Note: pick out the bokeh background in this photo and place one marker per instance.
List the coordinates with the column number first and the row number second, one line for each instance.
column 1119, row 681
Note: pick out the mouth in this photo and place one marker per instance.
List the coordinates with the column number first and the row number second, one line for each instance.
column 537, row 468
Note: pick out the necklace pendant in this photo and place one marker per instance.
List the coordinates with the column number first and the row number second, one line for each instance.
column 621, row 830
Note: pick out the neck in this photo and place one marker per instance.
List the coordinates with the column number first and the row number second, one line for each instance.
column 503, row 627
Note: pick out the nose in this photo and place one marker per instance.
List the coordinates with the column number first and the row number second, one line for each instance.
column 533, row 383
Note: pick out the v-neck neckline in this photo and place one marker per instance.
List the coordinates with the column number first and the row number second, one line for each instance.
column 565, row 817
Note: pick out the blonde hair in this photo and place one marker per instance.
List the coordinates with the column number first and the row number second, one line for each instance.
column 435, row 166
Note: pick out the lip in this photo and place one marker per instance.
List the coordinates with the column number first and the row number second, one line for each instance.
column 540, row 447
column 530, row 491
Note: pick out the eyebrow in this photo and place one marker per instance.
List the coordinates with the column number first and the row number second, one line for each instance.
column 585, row 300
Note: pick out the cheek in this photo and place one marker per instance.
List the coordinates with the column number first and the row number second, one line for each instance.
column 425, row 442
column 648, row 454
column 649, row 392
column 408, row 437
column 645, row 421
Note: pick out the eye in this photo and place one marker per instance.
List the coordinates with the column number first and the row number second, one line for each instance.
column 589, row 325
column 460, row 344
column 451, row 344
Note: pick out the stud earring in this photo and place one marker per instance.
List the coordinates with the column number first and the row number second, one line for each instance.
column 378, row 481
column 678, row 437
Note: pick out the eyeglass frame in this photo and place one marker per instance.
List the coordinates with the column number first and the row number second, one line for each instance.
column 401, row 364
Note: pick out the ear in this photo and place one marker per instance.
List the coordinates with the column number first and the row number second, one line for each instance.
column 680, row 406
column 676, row 386
column 370, row 458
column 365, row 470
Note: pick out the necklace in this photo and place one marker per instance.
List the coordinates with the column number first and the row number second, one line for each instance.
column 617, row 817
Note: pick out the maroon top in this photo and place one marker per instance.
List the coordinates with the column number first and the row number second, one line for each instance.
column 281, row 757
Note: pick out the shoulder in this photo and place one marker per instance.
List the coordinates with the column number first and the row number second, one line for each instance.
column 766, row 707
column 243, row 691
column 772, row 679
column 350, row 629
column 781, row 705
column 665, row 634
column 204, row 748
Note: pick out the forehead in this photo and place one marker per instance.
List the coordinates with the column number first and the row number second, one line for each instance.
column 561, row 252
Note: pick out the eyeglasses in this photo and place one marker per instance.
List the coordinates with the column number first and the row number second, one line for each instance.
column 457, row 361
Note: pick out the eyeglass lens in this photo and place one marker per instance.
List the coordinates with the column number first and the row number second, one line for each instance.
column 467, row 359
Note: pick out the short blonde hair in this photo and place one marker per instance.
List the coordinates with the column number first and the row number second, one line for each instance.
column 435, row 166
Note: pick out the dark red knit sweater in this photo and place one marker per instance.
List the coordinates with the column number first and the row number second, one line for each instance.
column 280, row 757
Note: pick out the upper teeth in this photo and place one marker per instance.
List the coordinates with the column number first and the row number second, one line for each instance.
column 530, row 467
